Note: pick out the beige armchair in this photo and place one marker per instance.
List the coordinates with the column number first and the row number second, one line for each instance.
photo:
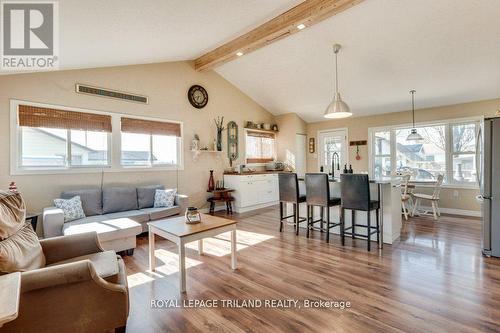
column 81, row 289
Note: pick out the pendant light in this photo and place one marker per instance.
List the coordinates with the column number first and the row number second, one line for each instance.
column 337, row 108
column 414, row 136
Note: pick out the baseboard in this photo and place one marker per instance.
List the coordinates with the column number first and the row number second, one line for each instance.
column 453, row 211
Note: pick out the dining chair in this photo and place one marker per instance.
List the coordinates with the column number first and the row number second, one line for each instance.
column 406, row 198
column 433, row 198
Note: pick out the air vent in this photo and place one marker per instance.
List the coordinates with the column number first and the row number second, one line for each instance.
column 89, row 90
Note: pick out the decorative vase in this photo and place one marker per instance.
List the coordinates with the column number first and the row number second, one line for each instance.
column 195, row 144
column 211, row 182
column 219, row 140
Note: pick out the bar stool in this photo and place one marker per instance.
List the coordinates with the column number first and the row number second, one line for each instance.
column 289, row 193
column 355, row 195
column 318, row 194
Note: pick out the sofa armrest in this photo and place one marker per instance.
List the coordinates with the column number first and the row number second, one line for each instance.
column 65, row 247
column 182, row 201
column 60, row 275
column 62, row 298
column 53, row 220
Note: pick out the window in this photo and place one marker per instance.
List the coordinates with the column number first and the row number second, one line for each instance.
column 425, row 159
column 52, row 138
column 382, row 154
column 464, row 152
column 48, row 139
column 89, row 148
column 260, row 147
column 447, row 148
column 149, row 143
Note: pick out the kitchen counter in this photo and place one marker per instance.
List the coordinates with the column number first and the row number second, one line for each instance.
column 253, row 173
column 387, row 191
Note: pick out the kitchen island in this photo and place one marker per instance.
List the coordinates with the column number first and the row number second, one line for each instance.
column 387, row 191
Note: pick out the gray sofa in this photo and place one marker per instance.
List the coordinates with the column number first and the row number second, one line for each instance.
column 117, row 214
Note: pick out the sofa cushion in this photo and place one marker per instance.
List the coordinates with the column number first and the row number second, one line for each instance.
column 119, row 199
column 105, row 263
column 161, row 212
column 91, row 200
column 146, row 195
column 135, row 215
column 21, row 252
column 72, row 208
column 107, row 230
column 12, row 213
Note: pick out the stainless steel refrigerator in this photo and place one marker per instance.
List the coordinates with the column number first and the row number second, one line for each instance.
column 488, row 177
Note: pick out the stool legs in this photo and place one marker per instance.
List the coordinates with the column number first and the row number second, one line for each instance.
column 378, row 229
column 308, row 219
column 281, row 216
column 368, row 214
column 297, row 219
column 321, row 217
column 353, row 222
column 342, row 225
column 327, row 224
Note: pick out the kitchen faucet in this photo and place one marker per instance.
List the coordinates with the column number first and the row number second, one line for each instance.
column 333, row 163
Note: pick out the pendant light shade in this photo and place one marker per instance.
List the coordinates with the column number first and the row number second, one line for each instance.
column 413, row 136
column 337, row 108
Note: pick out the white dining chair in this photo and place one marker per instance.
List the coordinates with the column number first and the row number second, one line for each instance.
column 433, row 198
column 406, row 198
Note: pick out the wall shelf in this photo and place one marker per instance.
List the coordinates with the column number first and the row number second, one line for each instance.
column 261, row 130
column 197, row 153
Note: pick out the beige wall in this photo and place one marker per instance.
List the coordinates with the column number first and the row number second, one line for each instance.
column 166, row 84
column 358, row 130
column 289, row 126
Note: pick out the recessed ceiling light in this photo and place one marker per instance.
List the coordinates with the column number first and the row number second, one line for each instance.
column 239, row 54
column 301, row 26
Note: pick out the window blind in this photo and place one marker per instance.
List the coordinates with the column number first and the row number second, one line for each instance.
column 34, row 116
column 141, row 126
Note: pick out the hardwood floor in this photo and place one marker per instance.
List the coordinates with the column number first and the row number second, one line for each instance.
column 433, row 280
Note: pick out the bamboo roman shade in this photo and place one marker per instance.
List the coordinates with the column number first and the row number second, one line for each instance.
column 260, row 134
column 34, row 116
column 141, row 126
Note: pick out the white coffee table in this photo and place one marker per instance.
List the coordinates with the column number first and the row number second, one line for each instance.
column 178, row 231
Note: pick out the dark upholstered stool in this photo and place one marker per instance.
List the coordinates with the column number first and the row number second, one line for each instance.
column 355, row 195
column 289, row 193
column 318, row 194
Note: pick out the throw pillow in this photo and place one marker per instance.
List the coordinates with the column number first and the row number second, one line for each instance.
column 20, row 249
column 165, row 198
column 72, row 208
column 21, row 252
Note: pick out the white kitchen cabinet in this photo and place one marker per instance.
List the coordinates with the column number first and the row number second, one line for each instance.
column 253, row 191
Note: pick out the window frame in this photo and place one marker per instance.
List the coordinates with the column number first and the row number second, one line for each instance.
column 449, row 153
column 263, row 161
column 114, row 146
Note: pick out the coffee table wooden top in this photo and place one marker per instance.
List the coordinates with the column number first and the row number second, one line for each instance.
column 178, row 227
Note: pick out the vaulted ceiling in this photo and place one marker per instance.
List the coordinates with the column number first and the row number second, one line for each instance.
column 448, row 50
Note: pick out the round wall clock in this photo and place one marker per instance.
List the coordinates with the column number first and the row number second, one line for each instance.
column 197, row 96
